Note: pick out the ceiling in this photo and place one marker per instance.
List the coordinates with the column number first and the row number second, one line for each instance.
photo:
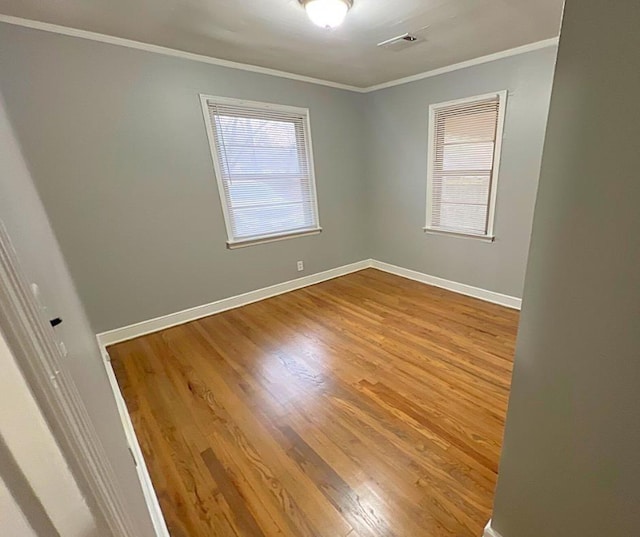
column 277, row 34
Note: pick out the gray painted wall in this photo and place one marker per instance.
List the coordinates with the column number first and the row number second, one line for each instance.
column 397, row 143
column 570, row 464
column 117, row 147
column 22, row 213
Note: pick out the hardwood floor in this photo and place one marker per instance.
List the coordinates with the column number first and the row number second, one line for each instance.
column 368, row 405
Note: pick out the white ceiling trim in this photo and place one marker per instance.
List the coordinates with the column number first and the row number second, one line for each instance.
column 129, row 43
column 469, row 63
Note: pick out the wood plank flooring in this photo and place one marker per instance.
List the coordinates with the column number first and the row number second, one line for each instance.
column 365, row 406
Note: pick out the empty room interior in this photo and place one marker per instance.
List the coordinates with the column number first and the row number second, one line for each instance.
column 319, row 268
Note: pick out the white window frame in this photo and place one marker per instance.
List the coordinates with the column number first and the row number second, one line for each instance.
column 489, row 236
column 232, row 242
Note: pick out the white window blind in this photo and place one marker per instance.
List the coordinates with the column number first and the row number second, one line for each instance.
column 464, row 155
column 263, row 162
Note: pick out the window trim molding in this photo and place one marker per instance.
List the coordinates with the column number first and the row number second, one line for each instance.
column 436, row 231
column 233, row 243
column 489, row 236
column 243, row 243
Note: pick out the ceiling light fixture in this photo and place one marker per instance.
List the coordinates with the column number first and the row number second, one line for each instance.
column 327, row 13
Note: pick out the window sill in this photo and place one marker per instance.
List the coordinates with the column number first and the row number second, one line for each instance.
column 272, row 238
column 482, row 238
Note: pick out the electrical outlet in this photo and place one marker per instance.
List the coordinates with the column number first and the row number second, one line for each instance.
column 300, row 266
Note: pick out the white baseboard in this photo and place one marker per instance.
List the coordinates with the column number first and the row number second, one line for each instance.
column 160, row 323
column 461, row 288
column 167, row 321
column 173, row 319
column 489, row 531
column 153, row 506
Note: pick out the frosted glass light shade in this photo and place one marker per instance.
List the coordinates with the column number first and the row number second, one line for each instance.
column 327, row 13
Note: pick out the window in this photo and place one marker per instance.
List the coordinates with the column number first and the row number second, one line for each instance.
column 465, row 139
column 264, row 166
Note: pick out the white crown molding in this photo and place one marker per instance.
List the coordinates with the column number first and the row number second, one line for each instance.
column 129, row 43
column 469, row 63
column 489, row 531
column 132, row 331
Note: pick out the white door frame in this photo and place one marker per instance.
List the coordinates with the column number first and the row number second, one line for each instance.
column 41, row 358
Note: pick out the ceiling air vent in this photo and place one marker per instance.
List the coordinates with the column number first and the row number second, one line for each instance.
column 401, row 42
